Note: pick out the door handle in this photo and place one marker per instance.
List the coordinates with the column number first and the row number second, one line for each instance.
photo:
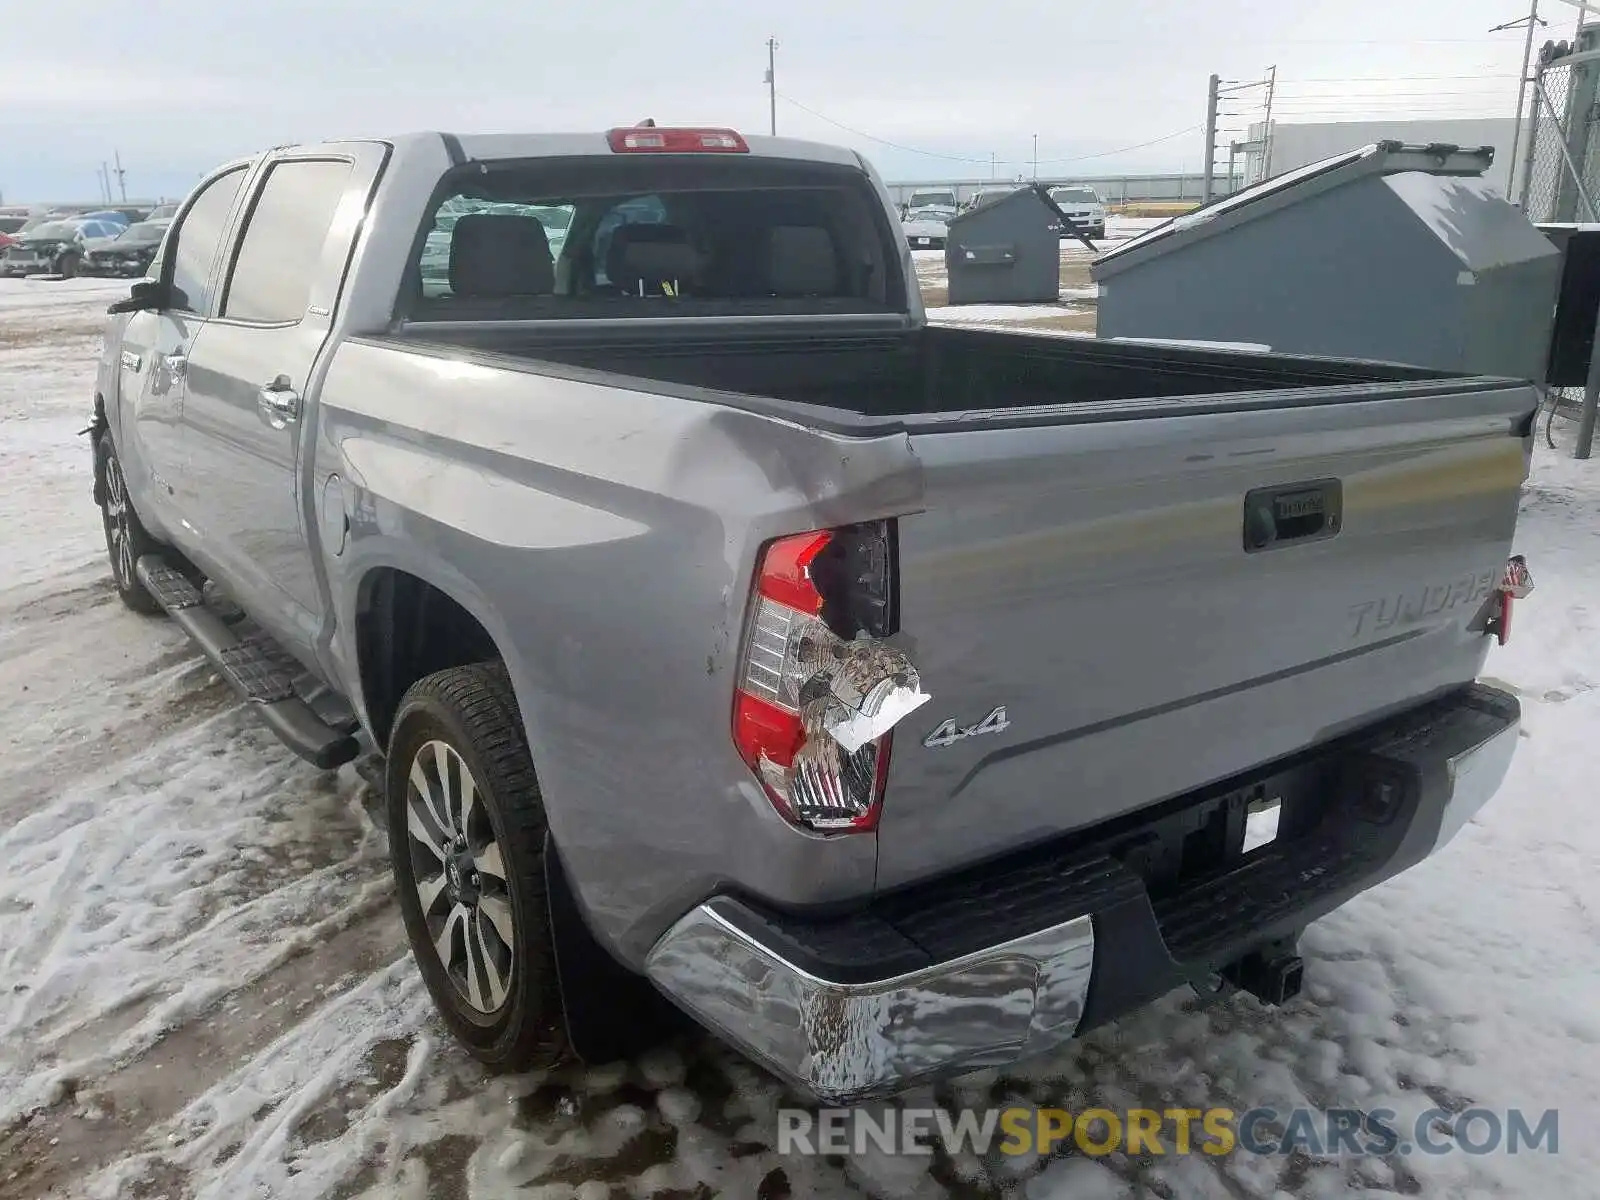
column 277, row 403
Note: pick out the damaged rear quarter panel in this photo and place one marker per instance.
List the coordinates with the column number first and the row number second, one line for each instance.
column 606, row 538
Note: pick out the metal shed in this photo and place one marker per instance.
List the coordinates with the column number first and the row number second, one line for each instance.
column 1393, row 252
column 1008, row 251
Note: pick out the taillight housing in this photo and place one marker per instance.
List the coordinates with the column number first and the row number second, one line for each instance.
column 816, row 688
column 1515, row 585
column 648, row 139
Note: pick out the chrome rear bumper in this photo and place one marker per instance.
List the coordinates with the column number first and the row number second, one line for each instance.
column 841, row 1041
column 813, row 1001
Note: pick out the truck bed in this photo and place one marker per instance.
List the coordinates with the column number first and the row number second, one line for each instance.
column 1079, row 544
column 927, row 376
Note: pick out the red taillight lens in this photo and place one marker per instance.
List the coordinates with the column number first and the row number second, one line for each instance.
column 800, row 681
column 651, row 140
column 1515, row 584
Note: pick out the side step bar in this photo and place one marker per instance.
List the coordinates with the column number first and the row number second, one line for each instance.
column 256, row 668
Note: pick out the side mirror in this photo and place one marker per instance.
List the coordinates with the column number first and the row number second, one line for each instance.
column 145, row 296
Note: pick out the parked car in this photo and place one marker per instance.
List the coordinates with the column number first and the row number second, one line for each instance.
column 129, row 253
column 1083, row 206
column 8, row 230
column 988, row 195
column 110, row 216
column 926, row 217
column 53, row 248
column 898, row 698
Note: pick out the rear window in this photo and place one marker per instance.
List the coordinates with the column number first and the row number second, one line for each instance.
column 657, row 237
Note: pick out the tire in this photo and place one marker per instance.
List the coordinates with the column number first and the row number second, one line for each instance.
column 126, row 538
column 67, row 268
column 495, row 983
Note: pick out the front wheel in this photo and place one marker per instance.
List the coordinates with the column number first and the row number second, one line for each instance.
column 126, row 538
column 466, row 842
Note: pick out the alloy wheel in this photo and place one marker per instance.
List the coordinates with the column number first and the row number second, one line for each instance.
column 460, row 876
column 118, row 532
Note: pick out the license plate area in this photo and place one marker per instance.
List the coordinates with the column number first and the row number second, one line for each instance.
column 1221, row 828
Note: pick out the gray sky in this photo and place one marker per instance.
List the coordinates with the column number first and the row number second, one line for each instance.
column 178, row 86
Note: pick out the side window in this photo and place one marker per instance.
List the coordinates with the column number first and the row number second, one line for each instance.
column 192, row 247
column 637, row 210
column 283, row 237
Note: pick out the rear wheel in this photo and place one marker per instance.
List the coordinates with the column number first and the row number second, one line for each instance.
column 467, row 833
column 126, row 538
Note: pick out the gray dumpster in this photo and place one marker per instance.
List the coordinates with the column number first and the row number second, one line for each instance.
column 1007, row 251
column 1393, row 252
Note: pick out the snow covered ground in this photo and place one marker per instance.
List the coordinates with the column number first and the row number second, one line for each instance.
column 204, row 990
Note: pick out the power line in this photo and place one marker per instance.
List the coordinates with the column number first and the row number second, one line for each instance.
column 1488, row 94
column 991, row 160
column 1397, row 78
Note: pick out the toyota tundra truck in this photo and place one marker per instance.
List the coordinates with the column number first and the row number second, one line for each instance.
column 894, row 699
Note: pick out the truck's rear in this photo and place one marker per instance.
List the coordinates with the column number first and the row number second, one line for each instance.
column 1197, row 631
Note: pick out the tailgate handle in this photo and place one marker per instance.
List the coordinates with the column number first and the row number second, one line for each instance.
column 1292, row 513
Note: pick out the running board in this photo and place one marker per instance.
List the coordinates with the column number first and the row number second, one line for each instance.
column 261, row 672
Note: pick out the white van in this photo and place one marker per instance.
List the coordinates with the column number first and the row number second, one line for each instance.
column 1084, row 206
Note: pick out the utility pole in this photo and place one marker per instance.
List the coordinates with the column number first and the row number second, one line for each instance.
column 772, row 83
column 1211, row 136
column 1532, row 19
column 1036, row 158
column 1266, row 133
column 122, row 177
column 992, row 157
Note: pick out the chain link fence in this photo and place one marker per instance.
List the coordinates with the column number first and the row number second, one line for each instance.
column 1560, row 168
column 1547, row 182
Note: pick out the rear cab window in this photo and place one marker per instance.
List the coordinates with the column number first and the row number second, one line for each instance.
column 600, row 238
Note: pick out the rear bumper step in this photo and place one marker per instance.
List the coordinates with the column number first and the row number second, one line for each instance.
column 255, row 667
column 1013, row 958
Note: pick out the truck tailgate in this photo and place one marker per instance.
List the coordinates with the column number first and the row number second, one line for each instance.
column 1091, row 577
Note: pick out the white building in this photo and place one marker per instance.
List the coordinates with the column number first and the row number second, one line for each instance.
column 1295, row 145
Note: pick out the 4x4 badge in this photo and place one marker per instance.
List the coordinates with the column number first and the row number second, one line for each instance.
column 949, row 732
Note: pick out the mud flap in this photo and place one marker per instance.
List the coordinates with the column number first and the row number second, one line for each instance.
column 94, row 432
column 610, row 1012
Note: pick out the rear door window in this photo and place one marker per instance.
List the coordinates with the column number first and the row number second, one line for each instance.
column 279, row 254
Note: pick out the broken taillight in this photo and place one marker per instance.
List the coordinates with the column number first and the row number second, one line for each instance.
column 1515, row 584
column 818, row 690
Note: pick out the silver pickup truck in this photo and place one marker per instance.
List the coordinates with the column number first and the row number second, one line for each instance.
column 895, row 699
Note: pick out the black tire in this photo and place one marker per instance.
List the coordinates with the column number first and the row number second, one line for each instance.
column 67, row 267
column 126, row 538
column 473, row 712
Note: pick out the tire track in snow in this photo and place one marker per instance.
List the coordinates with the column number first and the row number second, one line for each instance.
column 230, row 874
column 117, row 1114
